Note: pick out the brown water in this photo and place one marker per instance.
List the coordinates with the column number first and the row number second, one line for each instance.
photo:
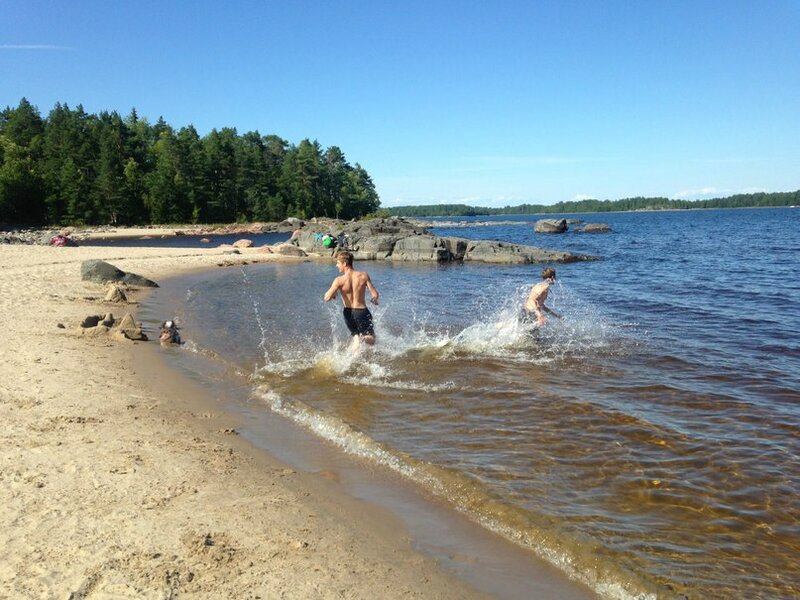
column 647, row 444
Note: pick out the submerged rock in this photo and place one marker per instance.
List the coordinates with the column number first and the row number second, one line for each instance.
column 595, row 228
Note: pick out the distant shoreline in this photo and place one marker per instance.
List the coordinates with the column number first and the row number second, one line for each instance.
column 637, row 204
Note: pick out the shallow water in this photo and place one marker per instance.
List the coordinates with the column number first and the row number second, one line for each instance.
column 647, row 443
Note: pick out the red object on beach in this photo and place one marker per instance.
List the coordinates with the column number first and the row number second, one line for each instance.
column 61, row 240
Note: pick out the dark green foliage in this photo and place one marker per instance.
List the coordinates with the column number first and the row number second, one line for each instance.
column 759, row 200
column 75, row 168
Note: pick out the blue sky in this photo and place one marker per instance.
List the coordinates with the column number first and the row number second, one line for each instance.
column 485, row 103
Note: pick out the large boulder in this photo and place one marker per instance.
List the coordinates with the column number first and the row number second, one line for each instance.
column 100, row 271
column 288, row 250
column 137, row 280
column 422, row 248
column 550, row 226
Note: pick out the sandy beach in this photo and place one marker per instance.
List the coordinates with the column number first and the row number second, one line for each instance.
column 117, row 483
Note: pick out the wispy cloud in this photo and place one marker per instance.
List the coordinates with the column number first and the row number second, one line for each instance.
column 34, row 47
column 697, row 194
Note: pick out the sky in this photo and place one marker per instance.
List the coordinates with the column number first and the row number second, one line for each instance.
column 482, row 103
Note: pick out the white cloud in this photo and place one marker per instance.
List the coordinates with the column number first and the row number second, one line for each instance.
column 579, row 197
column 697, row 194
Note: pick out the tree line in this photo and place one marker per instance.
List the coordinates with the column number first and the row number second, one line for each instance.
column 757, row 200
column 77, row 168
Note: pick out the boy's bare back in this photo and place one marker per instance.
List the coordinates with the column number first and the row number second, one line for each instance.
column 353, row 285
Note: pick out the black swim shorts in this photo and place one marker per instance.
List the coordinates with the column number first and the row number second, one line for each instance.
column 359, row 321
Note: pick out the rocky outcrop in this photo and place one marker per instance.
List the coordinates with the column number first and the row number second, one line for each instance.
column 401, row 241
column 550, row 226
column 501, row 252
column 100, row 271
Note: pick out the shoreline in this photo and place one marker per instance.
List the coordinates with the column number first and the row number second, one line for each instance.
column 122, row 479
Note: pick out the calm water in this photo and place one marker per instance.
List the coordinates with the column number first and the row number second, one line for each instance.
column 647, row 443
column 188, row 241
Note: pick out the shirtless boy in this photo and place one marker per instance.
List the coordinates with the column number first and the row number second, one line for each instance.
column 353, row 284
column 534, row 306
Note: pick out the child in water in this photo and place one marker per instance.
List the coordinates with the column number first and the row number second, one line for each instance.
column 169, row 333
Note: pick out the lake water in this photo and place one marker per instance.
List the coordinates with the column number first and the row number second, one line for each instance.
column 647, row 444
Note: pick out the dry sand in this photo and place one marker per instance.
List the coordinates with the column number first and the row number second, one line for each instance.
column 115, row 486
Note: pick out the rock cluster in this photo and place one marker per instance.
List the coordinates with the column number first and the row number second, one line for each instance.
column 125, row 328
column 562, row 225
column 399, row 240
column 31, row 236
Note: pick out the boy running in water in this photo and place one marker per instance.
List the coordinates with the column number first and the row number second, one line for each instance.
column 534, row 306
column 353, row 284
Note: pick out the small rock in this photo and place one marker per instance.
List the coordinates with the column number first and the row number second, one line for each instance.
column 95, row 331
column 127, row 322
column 115, row 294
column 91, row 321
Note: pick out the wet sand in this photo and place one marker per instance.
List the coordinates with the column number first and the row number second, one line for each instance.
column 121, row 481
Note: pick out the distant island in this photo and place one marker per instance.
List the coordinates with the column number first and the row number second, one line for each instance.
column 759, row 200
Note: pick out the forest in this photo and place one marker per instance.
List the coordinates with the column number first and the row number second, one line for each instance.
column 758, row 200
column 74, row 168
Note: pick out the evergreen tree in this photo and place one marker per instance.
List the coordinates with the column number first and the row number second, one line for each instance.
column 22, row 188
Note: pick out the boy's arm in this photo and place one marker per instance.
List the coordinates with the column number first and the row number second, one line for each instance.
column 331, row 293
column 551, row 311
column 372, row 291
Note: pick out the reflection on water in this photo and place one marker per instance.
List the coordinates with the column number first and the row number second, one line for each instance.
column 645, row 443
